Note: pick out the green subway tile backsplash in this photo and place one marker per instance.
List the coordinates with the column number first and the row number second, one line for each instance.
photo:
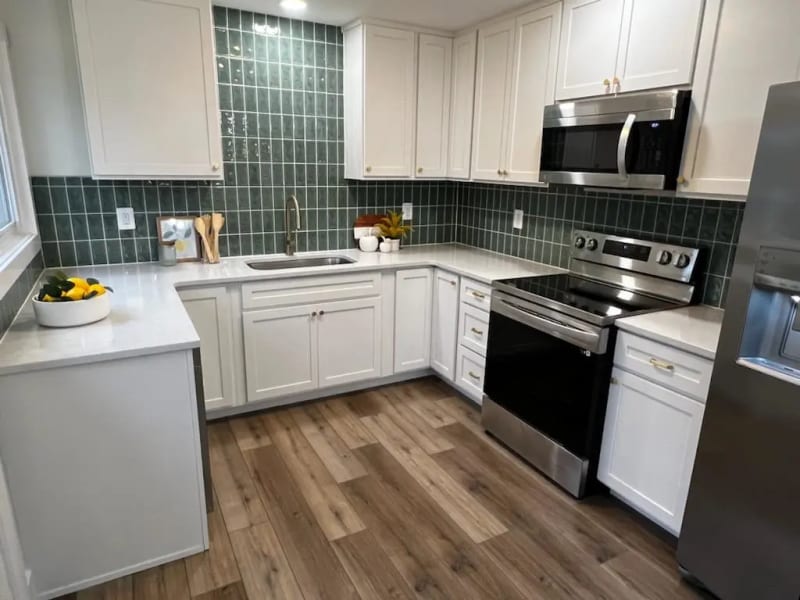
column 485, row 213
column 280, row 86
column 16, row 296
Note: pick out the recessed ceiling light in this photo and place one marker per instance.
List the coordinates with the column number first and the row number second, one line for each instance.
column 294, row 5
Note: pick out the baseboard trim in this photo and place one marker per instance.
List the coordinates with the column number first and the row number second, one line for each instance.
column 318, row 394
column 93, row 581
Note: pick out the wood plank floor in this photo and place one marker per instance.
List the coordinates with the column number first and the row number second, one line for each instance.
column 398, row 493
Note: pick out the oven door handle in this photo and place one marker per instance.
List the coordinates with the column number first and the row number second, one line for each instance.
column 588, row 340
column 622, row 145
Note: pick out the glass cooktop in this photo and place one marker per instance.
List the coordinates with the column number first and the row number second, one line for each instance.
column 597, row 299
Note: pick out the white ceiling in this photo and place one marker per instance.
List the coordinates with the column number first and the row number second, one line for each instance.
column 448, row 15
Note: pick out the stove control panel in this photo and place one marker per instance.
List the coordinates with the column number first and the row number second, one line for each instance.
column 641, row 256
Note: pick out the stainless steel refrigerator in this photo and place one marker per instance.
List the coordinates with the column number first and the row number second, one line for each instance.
column 741, row 529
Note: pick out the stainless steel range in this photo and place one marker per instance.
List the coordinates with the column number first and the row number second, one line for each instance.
column 551, row 342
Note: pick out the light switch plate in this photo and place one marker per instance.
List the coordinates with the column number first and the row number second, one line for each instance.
column 518, row 214
column 408, row 211
column 125, row 219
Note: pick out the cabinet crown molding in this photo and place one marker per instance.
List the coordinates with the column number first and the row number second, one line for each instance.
column 396, row 25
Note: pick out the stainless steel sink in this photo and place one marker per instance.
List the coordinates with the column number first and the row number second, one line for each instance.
column 300, row 263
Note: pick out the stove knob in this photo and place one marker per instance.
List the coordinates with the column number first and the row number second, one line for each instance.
column 580, row 242
column 591, row 244
column 682, row 261
column 665, row 257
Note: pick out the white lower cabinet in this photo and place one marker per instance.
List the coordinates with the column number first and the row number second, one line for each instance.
column 349, row 341
column 210, row 312
column 470, row 370
column 649, row 444
column 412, row 319
column 444, row 330
column 280, row 349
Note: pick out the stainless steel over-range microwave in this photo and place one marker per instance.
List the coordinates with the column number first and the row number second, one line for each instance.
column 631, row 141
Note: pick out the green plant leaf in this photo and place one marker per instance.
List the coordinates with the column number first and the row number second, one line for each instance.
column 60, row 275
column 91, row 294
column 91, row 280
column 66, row 285
column 109, row 288
column 51, row 290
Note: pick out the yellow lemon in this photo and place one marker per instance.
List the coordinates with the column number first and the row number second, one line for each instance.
column 96, row 287
column 76, row 293
column 79, row 282
column 48, row 298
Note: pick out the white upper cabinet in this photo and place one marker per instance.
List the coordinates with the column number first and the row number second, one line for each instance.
column 658, row 43
column 148, row 78
column 492, row 78
column 462, row 99
column 379, row 101
column 532, row 88
column 612, row 46
column 589, row 46
column 745, row 47
column 433, row 105
column 515, row 80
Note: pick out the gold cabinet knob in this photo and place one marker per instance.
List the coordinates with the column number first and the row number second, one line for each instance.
column 215, row 167
column 499, row 171
column 419, row 169
column 606, row 82
column 682, row 180
column 368, row 169
column 505, row 172
column 615, row 81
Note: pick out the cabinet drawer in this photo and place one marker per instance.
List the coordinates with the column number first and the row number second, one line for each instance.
column 667, row 366
column 308, row 290
column 473, row 328
column 476, row 294
column 470, row 370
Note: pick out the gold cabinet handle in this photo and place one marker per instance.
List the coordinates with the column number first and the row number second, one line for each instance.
column 368, row 169
column 478, row 295
column 505, row 173
column 476, row 331
column 474, row 375
column 682, row 180
column 215, row 167
column 313, row 314
column 606, row 82
column 322, row 312
column 499, row 171
column 419, row 169
column 614, row 381
column 452, row 282
column 660, row 364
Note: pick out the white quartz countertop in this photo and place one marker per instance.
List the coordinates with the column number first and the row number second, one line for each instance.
column 147, row 315
column 694, row 329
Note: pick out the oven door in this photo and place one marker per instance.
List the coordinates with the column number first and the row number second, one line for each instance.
column 539, row 370
column 625, row 150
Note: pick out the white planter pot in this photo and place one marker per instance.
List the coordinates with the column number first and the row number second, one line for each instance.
column 72, row 314
column 395, row 245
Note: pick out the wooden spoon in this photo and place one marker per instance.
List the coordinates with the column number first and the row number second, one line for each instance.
column 217, row 221
column 200, row 226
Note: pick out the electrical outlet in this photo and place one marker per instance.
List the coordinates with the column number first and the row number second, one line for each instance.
column 125, row 219
column 408, row 211
column 518, row 214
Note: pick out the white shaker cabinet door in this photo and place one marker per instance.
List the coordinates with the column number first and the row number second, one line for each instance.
column 649, row 445
column 493, row 73
column 462, row 103
column 433, row 105
column 280, row 348
column 730, row 90
column 349, row 341
column 589, row 45
column 532, row 88
column 389, row 89
column 658, row 44
column 444, row 331
column 412, row 319
column 209, row 310
column 148, row 77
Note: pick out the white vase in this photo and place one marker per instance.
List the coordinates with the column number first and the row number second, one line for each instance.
column 395, row 245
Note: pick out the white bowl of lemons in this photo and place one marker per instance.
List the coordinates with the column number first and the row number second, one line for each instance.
column 71, row 301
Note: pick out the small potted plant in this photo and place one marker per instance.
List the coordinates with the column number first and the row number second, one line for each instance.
column 70, row 301
column 391, row 228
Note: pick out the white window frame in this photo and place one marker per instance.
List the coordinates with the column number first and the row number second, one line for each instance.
column 19, row 243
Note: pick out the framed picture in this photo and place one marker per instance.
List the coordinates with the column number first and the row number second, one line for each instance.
column 180, row 230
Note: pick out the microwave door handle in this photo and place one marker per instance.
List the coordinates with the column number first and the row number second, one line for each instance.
column 622, row 146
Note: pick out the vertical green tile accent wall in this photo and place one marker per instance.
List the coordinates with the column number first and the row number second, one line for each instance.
column 280, row 88
column 485, row 215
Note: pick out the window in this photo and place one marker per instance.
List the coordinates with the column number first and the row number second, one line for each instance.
column 19, row 239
